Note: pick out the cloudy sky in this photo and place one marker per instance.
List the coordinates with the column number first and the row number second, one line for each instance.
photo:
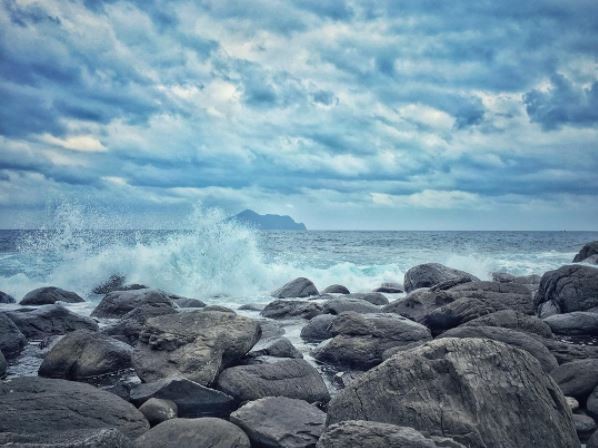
column 344, row 114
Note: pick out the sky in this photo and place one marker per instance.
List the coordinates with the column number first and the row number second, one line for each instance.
column 344, row 114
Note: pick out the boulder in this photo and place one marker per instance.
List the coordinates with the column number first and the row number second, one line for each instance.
column 584, row 425
column 337, row 306
column 375, row 298
column 84, row 354
column 565, row 352
column 252, row 307
column 360, row 433
column 192, row 399
column 197, row 432
column 430, row 274
column 448, row 284
column 531, row 281
column 6, row 298
column 577, row 379
column 574, row 324
column 336, row 289
column 49, row 295
column 49, row 320
column 455, row 313
column 418, row 304
column 280, row 422
column 300, row 287
column 569, row 288
column 195, row 345
column 127, row 329
column 220, row 308
column 288, row 309
column 513, row 320
column 3, row 365
column 34, row 405
column 293, row 378
column 184, row 302
column 12, row 341
column 498, row 295
column 318, row 328
column 118, row 303
column 586, row 251
column 116, row 282
column 517, row 339
column 157, row 410
column 592, row 442
column 481, row 393
column 82, row 438
column 592, row 403
column 390, row 288
column 278, row 348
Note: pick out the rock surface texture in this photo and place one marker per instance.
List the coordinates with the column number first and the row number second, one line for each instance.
column 567, row 289
column 430, row 274
column 300, row 287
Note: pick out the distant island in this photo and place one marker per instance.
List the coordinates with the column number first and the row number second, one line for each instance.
column 267, row 222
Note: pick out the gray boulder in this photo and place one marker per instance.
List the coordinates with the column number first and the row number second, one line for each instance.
column 196, row 345
column 531, row 281
column 278, row 348
column 12, row 341
column 375, row 298
column 574, row 324
column 592, row 403
column 455, row 314
column 3, row 365
column 280, row 422
column 341, row 305
column 82, row 438
column 569, row 288
column 390, row 288
column 418, row 304
column 49, row 320
column 592, row 442
column 192, row 399
column 480, row 381
column 128, row 328
column 577, row 379
column 513, row 320
column 430, row 274
column 157, row 410
column 185, row 302
column 293, row 378
column 586, row 251
column 584, row 425
column 49, row 295
column 361, row 434
column 300, row 287
column 252, row 307
column 289, row 309
column 84, row 354
column 565, row 352
column 197, row 432
column 6, row 298
column 33, row 405
column 118, row 303
column 318, row 328
column 498, row 295
column 336, row 289
column 220, row 308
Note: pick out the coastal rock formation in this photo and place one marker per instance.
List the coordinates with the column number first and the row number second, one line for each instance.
column 3, row 365
column 565, row 352
column 6, row 298
column 341, row 305
column 375, row 298
column 584, row 425
column 49, row 295
column 430, row 274
column 12, row 341
column 455, row 313
column 336, row 289
column 118, row 303
column 586, row 252
column 278, row 348
column 288, row 309
column 127, row 329
column 418, row 304
column 300, row 287
column 390, row 288
column 318, row 328
column 194, row 344
column 465, row 377
column 81, row 438
column 513, row 320
column 157, row 410
column 575, row 323
column 577, row 378
column 498, row 295
column 567, row 289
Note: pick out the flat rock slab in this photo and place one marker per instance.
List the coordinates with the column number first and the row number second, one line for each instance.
column 83, row 438
column 574, row 324
column 515, row 321
column 49, row 320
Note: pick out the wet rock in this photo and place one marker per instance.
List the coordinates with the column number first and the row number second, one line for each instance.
column 390, row 288
column 192, row 399
column 465, row 376
column 12, row 341
column 280, row 422
column 128, row 328
column 49, row 295
column 278, row 348
column 318, row 328
column 82, row 438
column 498, row 295
column 418, row 304
column 252, row 307
column 270, row 330
column 342, row 379
column 531, row 281
column 118, row 303
column 6, row 298
column 586, row 251
column 360, row 433
column 592, row 403
column 219, row 308
column 584, row 425
column 198, row 432
column 336, row 289
column 337, row 306
column 430, row 274
column 288, row 309
column 185, row 302
column 455, row 314
column 565, row 352
column 195, row 345
column 157, row 410
column 83, row 354
column 34, row 405
column 300, row 287
column 293, row 378
column 575, row 323
column 569, row 288
column 513, row 320
column 577, row 378
column 375, row 298
column 49, row 320
column 3, row 365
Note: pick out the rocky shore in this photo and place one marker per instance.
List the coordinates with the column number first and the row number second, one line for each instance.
column 441, row 360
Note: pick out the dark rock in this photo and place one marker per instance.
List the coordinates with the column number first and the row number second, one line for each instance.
column 498, row 295
column 12, row 340
column 294, row 378
column 219, row 308
column 577, row 378
column 49, row 320
column 49, row 295
column 278, row 348
column 592, row 403
column 32, row 405
column 342, row 379
column 480, row 381
column 430, row 274
column 360, row 433
column 336, row 289
column 270, row 330
column 128, row 328
column 375, row 298
column 513, row 320
column 390, row 288
column 113, row 283
column 288, row 309
column 531, row 280
column 300, row 287
column 341, row 305
column 157, row 410
column 455, row 314
column 565, row 352
column 6, row 298
column 198, row 432
column 118, row 303
column 83, row 354
column 584, row 425
column 593, row 441
column 82, row 438
column 192, row 399
column 194, row 344
column 185, row 302
column 280, row 422
column 448, row 284
column 586, row 251
column 569, row 288
column 252, row 307
column 575, row 323
column 3, row 365
column 418, row 304
column 318, row 328
column 517, row 339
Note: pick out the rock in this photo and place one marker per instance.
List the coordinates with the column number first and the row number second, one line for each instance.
column 84, row 354
column 577, row 378
column 270, row 330
column 390, row 288
column 592, row 442
column 513, row 320
column 575, row 323
column 300, row 287
column 157, row 410
column 592, row 403
column 455, row 313
column 6, row 298
column 375, row 298
column 219, row 308
column 198, row 432
column 195, row 345
column 192, row 399
column 465, row 389
column 279, row 348
column 288, row 309
column 82, row 438
column 49, row 320
column 127, row 329
column 252, row 307
column 584, row 425
column 430, row 274
column 532, row 280
column 12, row 340
column 498, row 295
column 49, row 295
column 586, row 251
column 318, row 328
column 360, row 433
column 293, row 378
column 566, row 352
column 280, row 422
column 32, row 405
column 118, row 303
column 418, row 304
column 569, row 288
column 572, row 403
column 337, row 306
column 336, row 289
column 342, row 379
column 448, row 284
column 3, row 365
column 184, row 302
column 517, row 339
